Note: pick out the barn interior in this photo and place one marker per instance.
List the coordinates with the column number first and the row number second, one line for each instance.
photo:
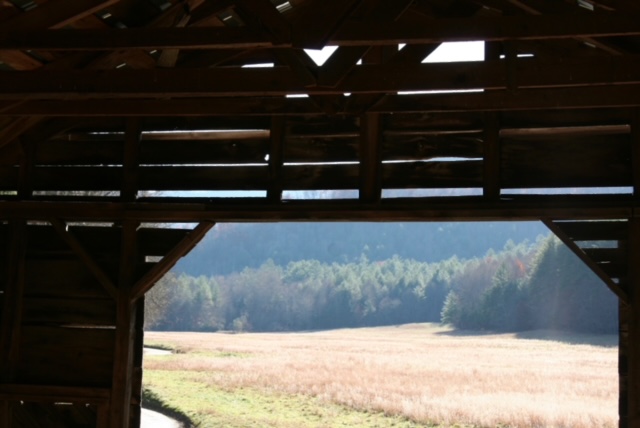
column 120, row 119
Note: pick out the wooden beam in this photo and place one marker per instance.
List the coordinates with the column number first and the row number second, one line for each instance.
column 370, row 158
column 351, row 33
column 472, row 208
column 522, row 100
column 54, row 15
column 47, row 15
column 265, row 15
column 122, row 381
column 501, row 28
column 315, row 21
column 84, row 256
column 191, row 37
column 345, row 58
column 622, row 294
column 162, row 267
column 279, row 81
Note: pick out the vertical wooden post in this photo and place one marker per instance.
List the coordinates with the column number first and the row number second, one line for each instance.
column 629, row 347
column 630, row 337
column 370, row 158
column 25, row 182
column 276, row 153
column 122, row 379
column 491, row 157
column 11, row 322
column 623, row 370
column 138, row 350
column 5, row 413
column 130, row 167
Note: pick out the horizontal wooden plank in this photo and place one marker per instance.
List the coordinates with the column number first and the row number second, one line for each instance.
column 320, row 177
column 567, row 117
column 595, row 230
column 326, row 126
column 65, row 356
column 180, row 152
column 9, row 178
column 51, row 394
column 57, row 278
column 554, row 99
column 616, row 255
column 581, row 162
column 418, row 147
column 549, row 99
column 615, row 270
column 203, row 178
column 158, row 242
column 97, row 241
column 28, row 414
column 66, row 311
column 434, row 122
column 81, row 178
column 319, row 149
column 97, row 152
column 432, row 175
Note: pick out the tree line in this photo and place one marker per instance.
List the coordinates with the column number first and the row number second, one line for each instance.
column 536, row 285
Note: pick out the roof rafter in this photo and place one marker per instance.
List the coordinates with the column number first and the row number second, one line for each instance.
column 351, row 33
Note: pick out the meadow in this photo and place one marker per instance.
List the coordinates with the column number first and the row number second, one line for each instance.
column 418, row 375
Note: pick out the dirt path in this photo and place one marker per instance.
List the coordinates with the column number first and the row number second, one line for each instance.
column 151, row 419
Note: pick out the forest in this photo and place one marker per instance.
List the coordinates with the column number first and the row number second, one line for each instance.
column 534, row 284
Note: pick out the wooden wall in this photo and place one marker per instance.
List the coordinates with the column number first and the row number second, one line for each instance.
column 60, row 322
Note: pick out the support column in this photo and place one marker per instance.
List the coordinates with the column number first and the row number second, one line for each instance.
column 623, row 371
column 629, row 364
column 11, row 320
column 122, row 383
column 629, row 348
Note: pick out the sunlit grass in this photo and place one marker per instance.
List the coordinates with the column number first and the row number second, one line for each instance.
column 404, row 376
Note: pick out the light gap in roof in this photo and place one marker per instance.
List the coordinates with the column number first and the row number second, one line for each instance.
column 445, row 91
column 320, row 56
column 457, row 52
column 436, row 159
column 569, row 191
column 259, row 65
column 283, row 7
column 430, row 193
column 307, row 195
column 586, row 5
column 212, row 194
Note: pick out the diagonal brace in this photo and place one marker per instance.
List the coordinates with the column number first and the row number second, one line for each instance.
column 86, row 258
column 145, row 283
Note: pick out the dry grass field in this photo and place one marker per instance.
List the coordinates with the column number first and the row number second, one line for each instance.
column 405, row 376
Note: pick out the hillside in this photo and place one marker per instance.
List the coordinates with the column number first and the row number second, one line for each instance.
column 232, row 247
